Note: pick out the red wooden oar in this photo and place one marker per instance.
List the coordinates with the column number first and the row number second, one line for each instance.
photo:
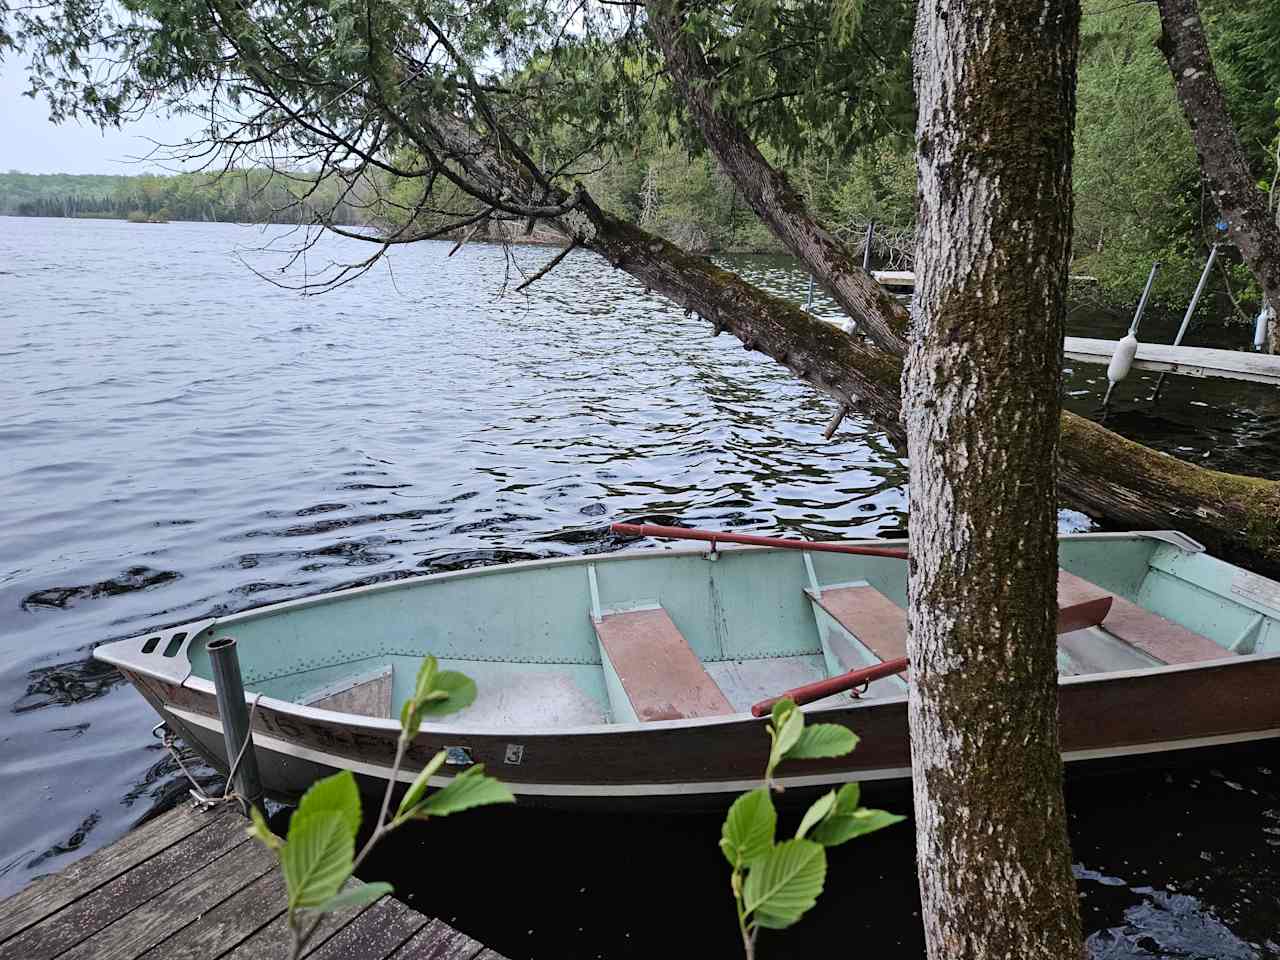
column 832, row 685
column 1076, row 616
column 715, row 536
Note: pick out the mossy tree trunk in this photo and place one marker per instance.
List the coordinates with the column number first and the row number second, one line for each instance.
column 995, row 81
column 1222, row 159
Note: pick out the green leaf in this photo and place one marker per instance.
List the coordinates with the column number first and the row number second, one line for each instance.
column 356, row 896
column 317, row 858
column 786, row 725
column 822, row 740
column 410, row 718
column 842, row 827
column 790, row 731
column 260, row 831
column 816, row 813
column 426, row 680
column 747, row 834
column 459, row 688
column 419, row 785
column 785, row 883
column 471, row 788
column 336, row 794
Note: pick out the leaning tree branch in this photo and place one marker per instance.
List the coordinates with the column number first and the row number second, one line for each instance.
column 767, row 190
column 1222, row 158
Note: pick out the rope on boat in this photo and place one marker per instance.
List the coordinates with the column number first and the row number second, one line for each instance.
column 199, row 799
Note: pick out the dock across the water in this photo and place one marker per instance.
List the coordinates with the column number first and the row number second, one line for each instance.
column 1158, row 357
column 191, row 885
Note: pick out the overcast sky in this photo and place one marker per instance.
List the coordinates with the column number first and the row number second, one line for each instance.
column 31, row 144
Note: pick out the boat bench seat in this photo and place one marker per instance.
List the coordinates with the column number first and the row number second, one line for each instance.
column 662, row 677
column 1162, row 640
column 880, row 625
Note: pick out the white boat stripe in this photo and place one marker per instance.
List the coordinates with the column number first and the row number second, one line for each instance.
column 678, row 789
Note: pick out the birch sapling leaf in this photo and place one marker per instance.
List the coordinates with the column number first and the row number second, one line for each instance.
column 419, row 785
column 785, row 883
column 785, row 726
column 471, row 788
column 335, row 794
column 459, row 691
column 260, row 831
column 426, row 680
column 848, row 820
column 356, row 896
column 749, row 827
column 822, row 740
column 317, row 858
column 816, row 813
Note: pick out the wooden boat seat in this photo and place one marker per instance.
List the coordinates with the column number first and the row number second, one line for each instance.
column 881, row 625
column 1161, row 639
column 661, row 675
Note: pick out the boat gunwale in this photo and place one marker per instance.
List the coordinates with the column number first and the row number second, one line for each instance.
column 1171, row 537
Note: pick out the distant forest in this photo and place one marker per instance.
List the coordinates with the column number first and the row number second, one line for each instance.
column 250, row 196
column 1138, row 191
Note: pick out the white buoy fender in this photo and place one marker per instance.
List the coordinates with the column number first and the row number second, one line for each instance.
column 1122, row 359
column 1260, row 327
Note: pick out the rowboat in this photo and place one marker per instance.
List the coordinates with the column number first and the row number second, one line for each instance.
column 628, row 678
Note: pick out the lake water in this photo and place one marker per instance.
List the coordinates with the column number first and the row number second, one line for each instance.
column 180, row 438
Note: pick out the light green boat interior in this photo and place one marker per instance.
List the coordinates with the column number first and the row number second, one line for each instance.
column 525, row 632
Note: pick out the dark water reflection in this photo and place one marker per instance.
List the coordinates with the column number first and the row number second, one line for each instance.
column 181, row 440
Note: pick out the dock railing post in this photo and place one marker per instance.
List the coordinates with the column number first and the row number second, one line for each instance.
column 1186, row 320
column 229, row 688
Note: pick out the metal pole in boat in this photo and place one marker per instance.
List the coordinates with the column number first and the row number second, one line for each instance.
column 866, row 246
column 1186, row 320
column 1127, row 348
column 229, row 687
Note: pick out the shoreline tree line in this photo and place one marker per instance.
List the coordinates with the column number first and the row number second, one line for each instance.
column 1137, row 185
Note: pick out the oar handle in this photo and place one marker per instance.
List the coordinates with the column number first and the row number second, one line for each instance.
column 833, row 685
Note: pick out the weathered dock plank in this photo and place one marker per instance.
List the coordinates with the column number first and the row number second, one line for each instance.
column 272, row 942
column 439, row 941
column 51, row 893
column 228, row 924
column 384, row 927
column 81, row 919
column 161, row 917
column 191, row 885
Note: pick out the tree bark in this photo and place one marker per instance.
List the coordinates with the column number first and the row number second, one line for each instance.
column 995, row 82
column 1236, row 517
column 767, row 190
column 1222, row 159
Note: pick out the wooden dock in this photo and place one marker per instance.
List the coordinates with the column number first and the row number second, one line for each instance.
column 899, row 281
column 1187, row 361
column 191, row 885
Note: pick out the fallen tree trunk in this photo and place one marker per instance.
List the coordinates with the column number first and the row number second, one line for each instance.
column 1101, row 473
column 1222, row 160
